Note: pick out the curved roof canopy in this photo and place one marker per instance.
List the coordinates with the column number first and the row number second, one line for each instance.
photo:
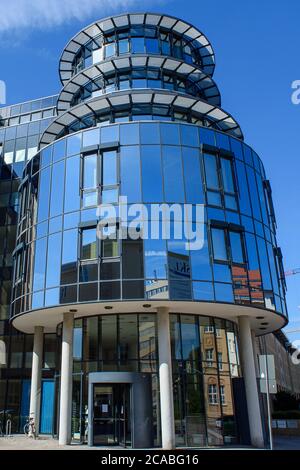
column 107, row 25
column 124, row 63
column 114, row 100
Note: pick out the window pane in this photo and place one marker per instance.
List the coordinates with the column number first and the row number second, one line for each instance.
column 110, row 270
column 128, row 337
column 170, row 134
column 236, row 247
column 253, row 193
column 173, row 177
column 90, row 171
column 109, row 338
column 59, row 150
column 109, row 168
column 91, row 138
column 192, row 176
column 73, row 144
column 190, row 338
column 109, row 196
column 130, row 173
column 123, row 46
column 214, row 198
column 110, row 50
column 57, row 189
column 152, row 46
column 223, row 292
column 89, row 199
column 90, row 339
column 129, row 134
column 72, row 199
column 155, row 259
column 39, row 264
column 230, row 203
column 227, row 175
column 69, row 257
column 244, row 200
column 151, row 173
column 150, row 133
column 263, row 256
column 109, row 134
column 44, row 194
column 219, row 245
column 137, row 45
column 200, row 260
column 132, row 250
column 189, row 136
column 110, row 248
column 88, row 244
column 53, row 260
column 211, row 172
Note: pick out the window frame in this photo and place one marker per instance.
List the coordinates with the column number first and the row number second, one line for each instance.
column 220, row 155
column 228, row 228
column 213, row 395
column 99, row 151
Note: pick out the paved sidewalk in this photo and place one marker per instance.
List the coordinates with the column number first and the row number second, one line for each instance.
column 287, row 443
column 20, row 442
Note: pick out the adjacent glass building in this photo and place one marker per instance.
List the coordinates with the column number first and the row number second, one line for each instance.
column 137, row 342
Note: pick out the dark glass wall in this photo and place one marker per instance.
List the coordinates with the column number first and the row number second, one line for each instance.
column 205, row 361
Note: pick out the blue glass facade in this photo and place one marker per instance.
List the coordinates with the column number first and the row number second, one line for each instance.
column 139, row 117
column 148, row 163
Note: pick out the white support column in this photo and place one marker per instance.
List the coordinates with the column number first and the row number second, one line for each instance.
column 65, row 410
column 36, row 376
column 165, row 379
column 249, row 373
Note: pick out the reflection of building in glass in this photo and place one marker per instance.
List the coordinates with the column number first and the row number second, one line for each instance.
column 247, row 286
column 138, row 116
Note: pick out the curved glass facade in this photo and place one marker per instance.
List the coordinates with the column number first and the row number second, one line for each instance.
column 137, row 40
column 149, row 163
column 138, row 78
column 146, row 234
column 140, row 112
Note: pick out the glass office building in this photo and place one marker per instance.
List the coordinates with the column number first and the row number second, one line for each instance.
column 135, row 341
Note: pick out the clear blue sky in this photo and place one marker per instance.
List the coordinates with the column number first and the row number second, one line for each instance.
column 257, row 54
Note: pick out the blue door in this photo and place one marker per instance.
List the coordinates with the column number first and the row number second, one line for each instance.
column 25, row 401
column 47, row 407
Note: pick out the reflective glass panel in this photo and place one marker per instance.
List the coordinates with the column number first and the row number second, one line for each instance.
column 151, row 173
column 88, row 244
column 39, row 264
column 109, row 168
column 90, row 171
column 130, row 173
column 57, row 189
column 72, row 198
column 53, row 260
column 219, row 244
column 237, row 254
column 211, row 172
column 69, row 257
column 192, row 176
column 173, row 177
column 227, row 175
column 44, row 194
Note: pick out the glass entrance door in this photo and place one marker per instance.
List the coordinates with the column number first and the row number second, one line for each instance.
column 111, row 415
